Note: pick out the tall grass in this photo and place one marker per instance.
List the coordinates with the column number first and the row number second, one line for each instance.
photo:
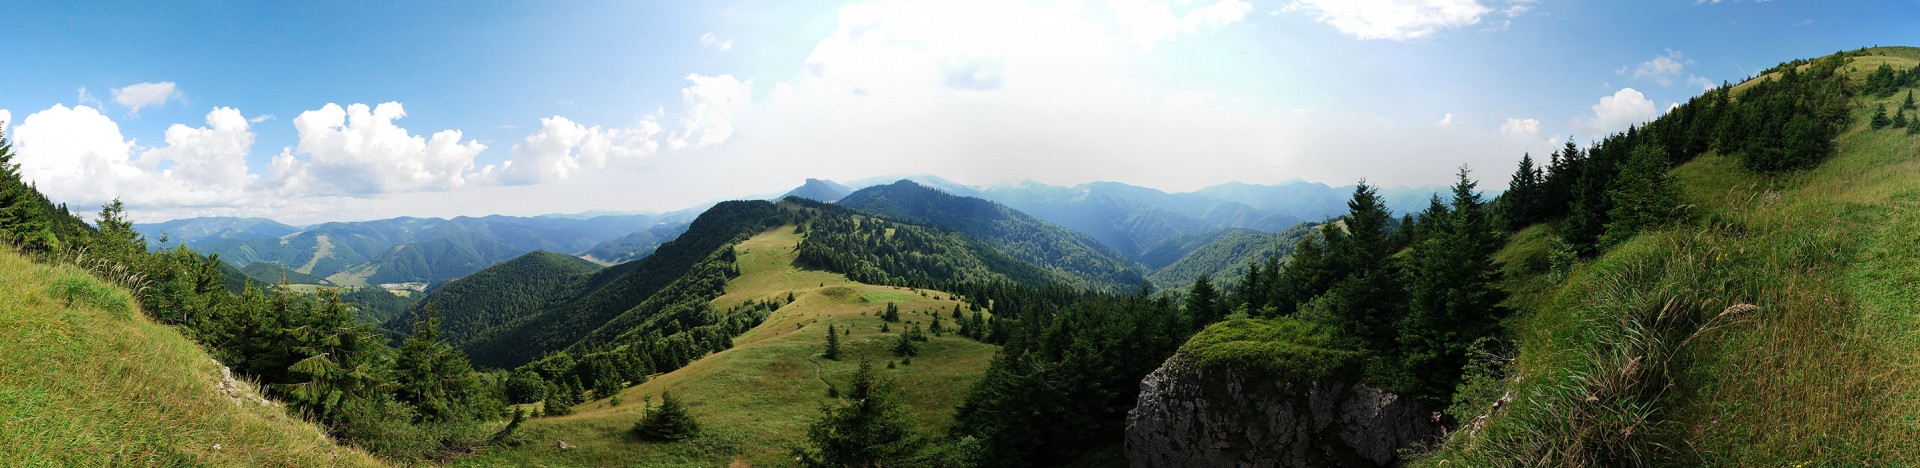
column 86, row 380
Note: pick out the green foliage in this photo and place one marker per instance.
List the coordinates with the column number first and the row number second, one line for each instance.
column 1017, row 234
column 1281, row 349
column 1062, row 384
column 1203, row 303
column 1451, row 298
column 871, row 429
column 1643, row 196
column 79, row 288
column 1879, row 119
column 669, row 421
column 1482, row 382
column 833, row 344
column 525, row 387
column 435, row 378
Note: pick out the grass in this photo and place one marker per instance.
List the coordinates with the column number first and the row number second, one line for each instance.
column 1779, row 326
column 757, row 398
column 86, row 379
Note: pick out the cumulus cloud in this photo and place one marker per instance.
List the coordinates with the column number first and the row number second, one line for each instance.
column 1148, row 22
column 1615, row 113
column 139, row 95
column 563, row 148
column 710, row 105
column 1521, row 127
column 1396, row 20
column 78, row 155
column 1663, row 69
column 357, row 150
column 207, row 159
column 716, row 42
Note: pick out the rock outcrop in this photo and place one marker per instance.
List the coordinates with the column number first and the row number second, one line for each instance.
column 1194, row 416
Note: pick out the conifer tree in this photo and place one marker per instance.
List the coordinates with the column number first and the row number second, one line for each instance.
column 872, row 429
column 1900, row 119
column 1520, row 204
column 1203, row 302
column 1909, row 102
column 833, row 344
column 431, row 376
column 668, row 422
column 1643, row 196
column 1367, row 301
column 1304, row 278
column 905, row 347
column 1880, row 119
column 1451, row 300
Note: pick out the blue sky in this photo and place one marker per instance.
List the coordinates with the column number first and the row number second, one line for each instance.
column 452, row 108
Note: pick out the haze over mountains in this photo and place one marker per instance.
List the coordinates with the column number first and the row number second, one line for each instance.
column 1145, row 228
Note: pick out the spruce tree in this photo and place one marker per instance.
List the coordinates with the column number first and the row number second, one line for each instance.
column 905, row 346
column 668, row 422
column 833, row 344
column 873, row 429
column 1519, row 205
column 1304, row 278
column 431, row 375
column 1643, row 196
column 1880, row 119
column 1367, row 301
column 1451, row 299
column 1203, row 303
column 1900, row 119
column 1909, row 102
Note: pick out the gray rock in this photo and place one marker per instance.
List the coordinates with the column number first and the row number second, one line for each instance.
column 1188, row 416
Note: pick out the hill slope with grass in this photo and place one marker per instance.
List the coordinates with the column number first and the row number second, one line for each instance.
column 86, row 378
column 757, row 397
column 1775, row 325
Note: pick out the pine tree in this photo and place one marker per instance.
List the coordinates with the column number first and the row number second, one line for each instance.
column 833, row 344
column 668, row 422
column 1203, row 303
column 892, row 313
column 1880, row 119
column 1900, row 119
column 561, row 399
column 1304, row 278
column 873, row 429
column 1909, row 102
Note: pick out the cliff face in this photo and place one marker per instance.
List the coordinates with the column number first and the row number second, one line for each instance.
column 1190, row 416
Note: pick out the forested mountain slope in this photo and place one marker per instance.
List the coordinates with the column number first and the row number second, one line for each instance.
column 477, row 303
column 1015, row 233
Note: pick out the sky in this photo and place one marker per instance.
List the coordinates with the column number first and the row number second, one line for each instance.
column 331, row 111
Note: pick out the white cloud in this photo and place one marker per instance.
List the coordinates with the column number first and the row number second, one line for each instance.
column 1521, row 127
column 139, row 95
column 1446, row 120
column 87, row 99
column 359, row 151
column 1615, row 113
column 711, row 103
column 563, row 148
column 260, row 118
column 716, row 42
column 1702, row 82
column 1396, row 20
column 207, row 159
column 1148, row 22
column 78, row 155
column 1662, row 69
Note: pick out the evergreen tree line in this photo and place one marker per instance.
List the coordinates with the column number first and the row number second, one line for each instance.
column 1600, row 194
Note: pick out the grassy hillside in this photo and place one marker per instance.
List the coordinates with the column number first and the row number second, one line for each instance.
column 86, row 379
column 1777, row 327
column 758, row 397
